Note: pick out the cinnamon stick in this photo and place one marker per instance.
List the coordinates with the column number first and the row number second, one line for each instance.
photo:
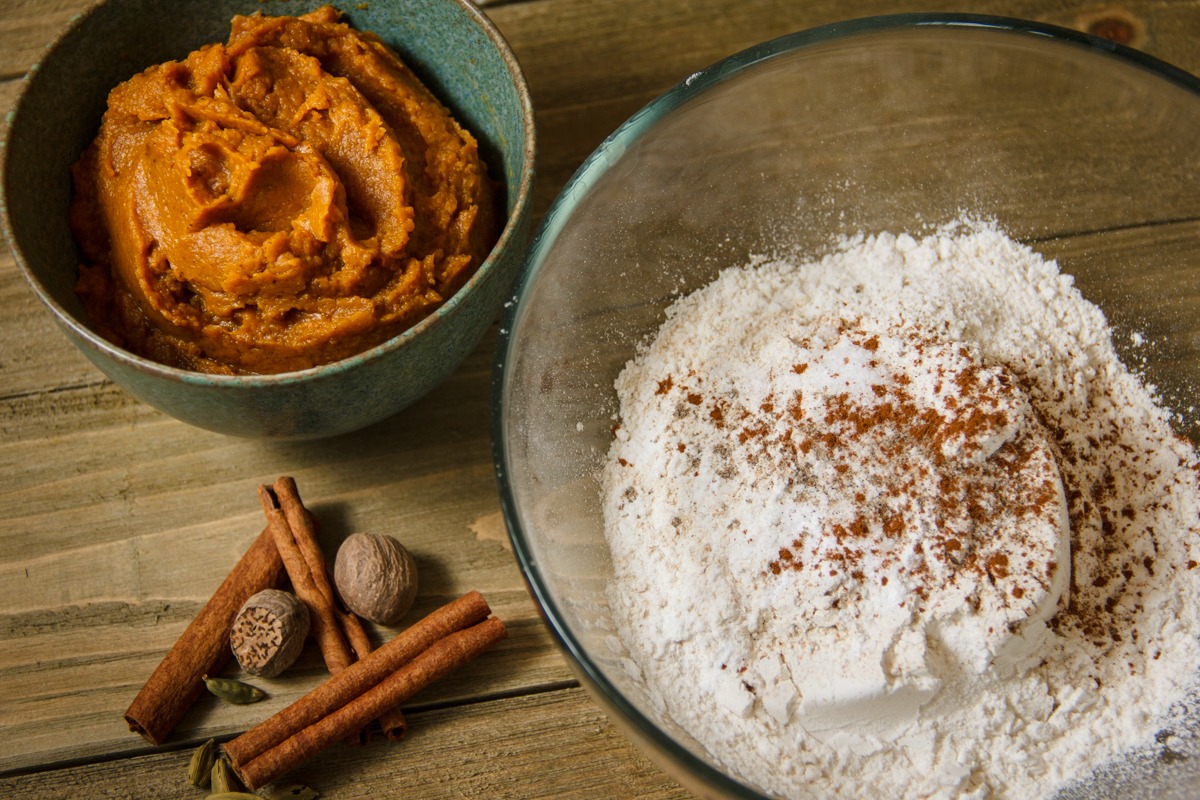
column 326, row 629
column 304, row 532
column 203, row 648
column 442, row 657
column 339, row 690
column 302, row 553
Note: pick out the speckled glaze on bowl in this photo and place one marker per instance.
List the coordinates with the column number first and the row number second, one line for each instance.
column 897, row 123
column 455, row 50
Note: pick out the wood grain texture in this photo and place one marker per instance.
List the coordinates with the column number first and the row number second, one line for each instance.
column 553, row 745
column 120, row 521
column 637, row 50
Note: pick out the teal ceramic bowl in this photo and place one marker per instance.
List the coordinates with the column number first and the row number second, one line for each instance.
column 455, row 50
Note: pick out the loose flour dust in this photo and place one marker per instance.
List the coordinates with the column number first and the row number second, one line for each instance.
column 898, row 523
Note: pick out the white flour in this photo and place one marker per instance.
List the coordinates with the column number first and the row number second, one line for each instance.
column 899, row 524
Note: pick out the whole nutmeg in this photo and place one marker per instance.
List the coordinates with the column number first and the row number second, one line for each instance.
column 376, row 577
column 268, row 632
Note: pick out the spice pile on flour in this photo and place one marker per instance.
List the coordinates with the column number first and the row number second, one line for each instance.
column 899, row 523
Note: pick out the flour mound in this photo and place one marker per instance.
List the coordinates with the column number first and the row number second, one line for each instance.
column 899, row 523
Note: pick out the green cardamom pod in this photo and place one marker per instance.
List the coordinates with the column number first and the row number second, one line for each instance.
column 293, row 792
column 233, row 691
column 200, row 767
column 223, row 779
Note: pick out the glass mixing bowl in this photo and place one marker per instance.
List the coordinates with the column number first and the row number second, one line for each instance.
column 1087, row 151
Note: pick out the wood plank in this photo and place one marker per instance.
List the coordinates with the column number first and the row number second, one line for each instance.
column 578, row 108
column 34, row 347
column 112, row 558
column 27, row 26
column 555, row 745
column 700, row 32
column 186, row 476
column 62, row 675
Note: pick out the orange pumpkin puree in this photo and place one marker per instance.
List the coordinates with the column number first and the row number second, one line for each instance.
column 287, row 199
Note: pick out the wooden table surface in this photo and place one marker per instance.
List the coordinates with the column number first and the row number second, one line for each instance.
column 119, row 521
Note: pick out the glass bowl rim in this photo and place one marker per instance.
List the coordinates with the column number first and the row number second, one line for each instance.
column 579, row 185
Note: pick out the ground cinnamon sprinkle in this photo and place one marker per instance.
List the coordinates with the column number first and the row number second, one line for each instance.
column 908, row 440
